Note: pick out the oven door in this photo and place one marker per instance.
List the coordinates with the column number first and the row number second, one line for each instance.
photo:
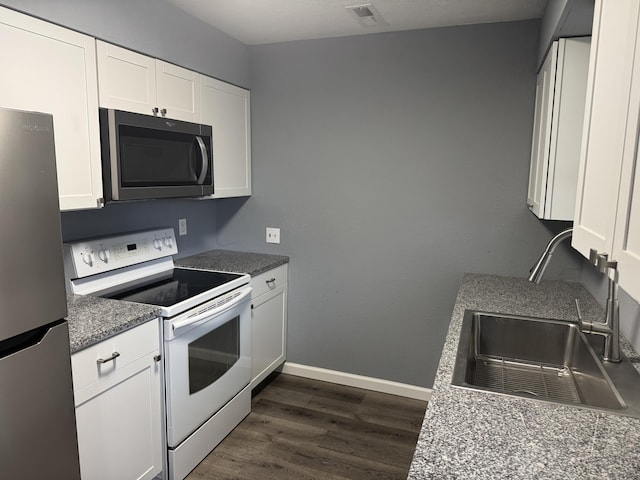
column 207, row 354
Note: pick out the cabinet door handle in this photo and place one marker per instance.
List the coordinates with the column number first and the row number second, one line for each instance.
column 163, row 112
column 155, row 110
column 157, row 358
column 271, row 280
column 113, row 356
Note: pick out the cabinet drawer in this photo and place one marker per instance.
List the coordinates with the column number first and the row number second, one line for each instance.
column 269, row 280
column 129, row 345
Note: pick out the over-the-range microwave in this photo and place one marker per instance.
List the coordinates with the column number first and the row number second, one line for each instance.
column 145, row 157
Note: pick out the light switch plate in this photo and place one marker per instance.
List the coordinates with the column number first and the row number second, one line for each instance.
column 182, row 226
column 273, row 235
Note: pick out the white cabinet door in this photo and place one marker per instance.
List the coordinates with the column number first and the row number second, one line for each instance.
column 555, row 153
column 118, row 406
column 178, row 92
column 542, row 133
column 607, row 109
column 268, row 323
column 119, row 429
column 50, row 69
column 626, row 238
column 136, row 83
column 268, row 332
column 227, row 109
column 127, row 80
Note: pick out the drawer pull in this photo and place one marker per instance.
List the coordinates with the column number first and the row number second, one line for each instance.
column 271, row 280
column 113, row 356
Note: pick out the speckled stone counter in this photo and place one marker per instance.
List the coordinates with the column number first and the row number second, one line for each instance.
column 477, row 435
column 93, row 319
column 230, row 261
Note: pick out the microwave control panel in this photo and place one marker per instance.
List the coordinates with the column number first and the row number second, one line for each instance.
column 90, row 257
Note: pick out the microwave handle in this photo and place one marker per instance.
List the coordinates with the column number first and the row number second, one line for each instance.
column 205, row 160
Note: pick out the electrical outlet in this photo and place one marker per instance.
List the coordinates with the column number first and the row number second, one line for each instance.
column 273, row 235
column 182, row 226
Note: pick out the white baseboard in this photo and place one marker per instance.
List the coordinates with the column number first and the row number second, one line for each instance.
column 358, row 381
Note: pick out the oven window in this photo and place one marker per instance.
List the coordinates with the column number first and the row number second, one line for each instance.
column 211, row 355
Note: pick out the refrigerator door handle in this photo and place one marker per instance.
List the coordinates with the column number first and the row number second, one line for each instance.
column 25, row 340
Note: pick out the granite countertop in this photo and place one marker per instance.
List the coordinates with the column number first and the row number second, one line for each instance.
column 477, row 435
column 93, row 319
column 231, row 261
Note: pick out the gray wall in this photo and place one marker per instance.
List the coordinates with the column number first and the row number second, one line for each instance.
column 392, row 163
column 152, row 27
column 158, row 29
column 130, row 216
column 597, row 284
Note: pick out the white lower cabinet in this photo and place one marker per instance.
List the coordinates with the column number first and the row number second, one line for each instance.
column 268, row 323
column 118, row 406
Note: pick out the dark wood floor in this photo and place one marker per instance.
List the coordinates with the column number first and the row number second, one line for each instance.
column 304, row 429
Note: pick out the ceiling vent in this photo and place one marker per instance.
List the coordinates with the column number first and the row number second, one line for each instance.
column 366, row 15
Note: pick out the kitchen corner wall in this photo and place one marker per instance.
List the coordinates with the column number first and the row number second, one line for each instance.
column 393, row 163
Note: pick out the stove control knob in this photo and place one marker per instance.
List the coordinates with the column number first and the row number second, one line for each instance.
column 168, row 241
column 103, row 255
column 157, row 245
column 88, row 258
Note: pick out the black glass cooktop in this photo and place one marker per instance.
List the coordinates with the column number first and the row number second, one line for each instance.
column 178, row 285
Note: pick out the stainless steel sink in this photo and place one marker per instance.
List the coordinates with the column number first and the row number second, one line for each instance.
column 542, row 359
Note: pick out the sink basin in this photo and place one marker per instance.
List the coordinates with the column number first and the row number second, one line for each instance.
column 542, row 359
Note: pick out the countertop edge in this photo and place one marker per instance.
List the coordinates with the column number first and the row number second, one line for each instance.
column 233, row 261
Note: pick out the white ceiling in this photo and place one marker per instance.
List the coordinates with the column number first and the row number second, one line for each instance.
column 255, row 22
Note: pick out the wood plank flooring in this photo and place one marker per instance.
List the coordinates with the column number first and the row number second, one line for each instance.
column 304, row 429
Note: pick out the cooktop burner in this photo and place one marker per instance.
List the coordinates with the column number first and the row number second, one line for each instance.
column 178, row 285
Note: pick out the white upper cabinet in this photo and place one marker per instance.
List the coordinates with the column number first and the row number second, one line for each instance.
column 126, row 79
column 46, row 68
column 227, row 109
column 541, row 133
column 606, row 216
column 557, row 131
column 136, row 83
column 626, row 236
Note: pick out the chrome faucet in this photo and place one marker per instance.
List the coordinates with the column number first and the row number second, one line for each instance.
column 536, row 272
column 610, row 328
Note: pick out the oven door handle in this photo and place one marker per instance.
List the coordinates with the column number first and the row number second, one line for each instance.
column 245, row 292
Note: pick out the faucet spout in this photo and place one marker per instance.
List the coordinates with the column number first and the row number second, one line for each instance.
column 610, row 328
column 536, row 272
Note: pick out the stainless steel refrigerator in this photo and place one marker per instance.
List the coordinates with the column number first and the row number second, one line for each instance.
column 37, row 417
